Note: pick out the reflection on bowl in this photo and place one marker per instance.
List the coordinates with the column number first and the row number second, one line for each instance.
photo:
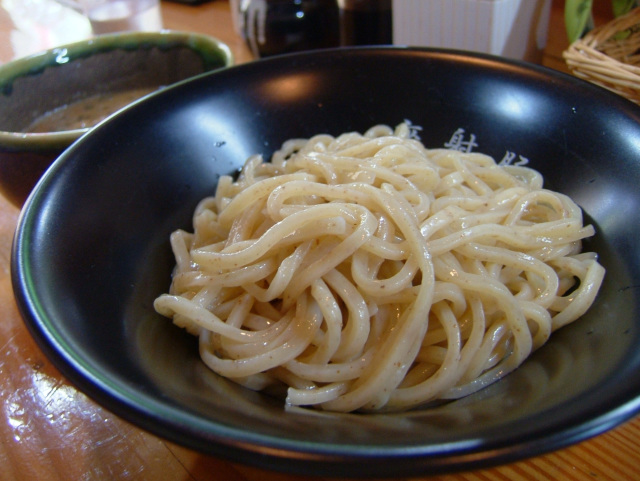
column 92, row 252
column 51, row 98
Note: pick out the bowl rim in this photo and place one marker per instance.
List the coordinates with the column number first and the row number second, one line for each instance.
column 38, row 61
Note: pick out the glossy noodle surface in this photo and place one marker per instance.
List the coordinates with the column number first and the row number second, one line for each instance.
column 366, row 272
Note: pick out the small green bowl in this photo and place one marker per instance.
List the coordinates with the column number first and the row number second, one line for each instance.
column 33, row 86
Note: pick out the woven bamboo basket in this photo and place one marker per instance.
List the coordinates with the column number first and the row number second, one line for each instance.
column 609, row 56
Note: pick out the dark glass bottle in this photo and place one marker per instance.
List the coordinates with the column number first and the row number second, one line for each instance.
column 273, row 27
column 365, row 22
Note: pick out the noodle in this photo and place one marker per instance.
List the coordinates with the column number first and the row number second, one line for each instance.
column 366, row 272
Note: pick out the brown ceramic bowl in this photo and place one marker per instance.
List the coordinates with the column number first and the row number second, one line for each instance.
column 43, row 84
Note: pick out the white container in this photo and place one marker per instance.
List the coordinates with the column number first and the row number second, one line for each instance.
column 107, row 16
column 510, row 28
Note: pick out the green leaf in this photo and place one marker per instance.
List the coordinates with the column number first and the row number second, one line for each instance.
column 577, row 14
column 620, row 7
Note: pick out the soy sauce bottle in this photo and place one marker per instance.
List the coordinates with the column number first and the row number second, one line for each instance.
column 273, row 27
column 365, row 22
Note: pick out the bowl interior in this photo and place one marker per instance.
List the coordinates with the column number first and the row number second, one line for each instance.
column 91, row 253
column 142, row 62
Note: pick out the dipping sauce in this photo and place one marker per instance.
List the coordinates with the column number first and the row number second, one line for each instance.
column 86, row 112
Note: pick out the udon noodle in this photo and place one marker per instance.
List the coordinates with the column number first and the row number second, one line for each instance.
column 367, row 272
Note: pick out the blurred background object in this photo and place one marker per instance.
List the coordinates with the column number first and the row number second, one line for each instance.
column 274, row 27
column 365, row 22
column 579, row 14
column 34, row 25
column 510, row 28
column 108, row 16
column 607, row 55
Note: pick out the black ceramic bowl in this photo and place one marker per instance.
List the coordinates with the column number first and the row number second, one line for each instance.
column 92, row 251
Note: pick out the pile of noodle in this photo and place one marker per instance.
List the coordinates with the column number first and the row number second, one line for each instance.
column 367, row 272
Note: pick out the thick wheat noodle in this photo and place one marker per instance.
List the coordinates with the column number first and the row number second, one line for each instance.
column 366, row 272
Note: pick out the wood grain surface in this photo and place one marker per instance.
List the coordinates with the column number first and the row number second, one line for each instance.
column 51, row 431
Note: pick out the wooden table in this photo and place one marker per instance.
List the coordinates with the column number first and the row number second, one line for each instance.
column 51, row 431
